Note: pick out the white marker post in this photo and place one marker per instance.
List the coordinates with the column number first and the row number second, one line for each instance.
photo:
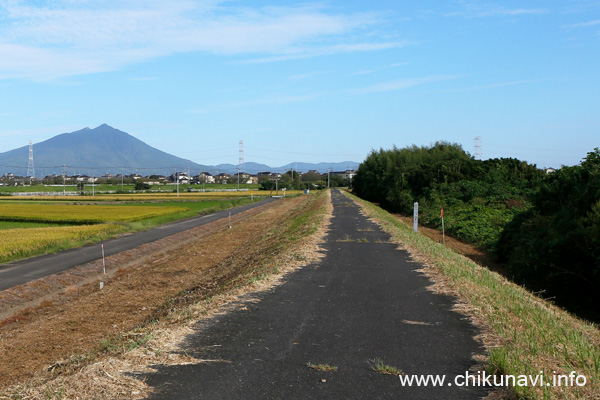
column 229, row 219
column 443, row 233
column 416, row 218
column 103, row 268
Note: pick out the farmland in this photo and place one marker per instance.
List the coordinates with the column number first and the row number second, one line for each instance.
column 19, row 242
column 80, row 214
column 34, row 225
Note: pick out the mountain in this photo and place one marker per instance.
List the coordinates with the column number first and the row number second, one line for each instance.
column 105, row 149
column 94, row 152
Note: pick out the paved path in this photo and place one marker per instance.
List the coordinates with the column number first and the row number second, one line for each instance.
column 20, row 272
column 360, row 303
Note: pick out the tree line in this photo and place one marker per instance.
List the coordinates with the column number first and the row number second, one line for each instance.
column 544, row 227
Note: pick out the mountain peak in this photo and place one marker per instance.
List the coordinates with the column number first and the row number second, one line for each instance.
column 104, row 126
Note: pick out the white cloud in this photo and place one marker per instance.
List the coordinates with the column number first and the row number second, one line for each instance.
column 583, row 24
column 497, row 85
column 474, row 9
column 67, row 37
column 400, row 84
column 294, row 53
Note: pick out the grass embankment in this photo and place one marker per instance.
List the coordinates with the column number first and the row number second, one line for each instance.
column 524, row 334
column 96, row 341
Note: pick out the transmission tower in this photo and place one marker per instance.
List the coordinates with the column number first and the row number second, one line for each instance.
column 241, row 161
column 478, row 147
column 30, row 167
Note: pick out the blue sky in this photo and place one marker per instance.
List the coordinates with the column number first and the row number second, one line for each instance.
column 306, row 81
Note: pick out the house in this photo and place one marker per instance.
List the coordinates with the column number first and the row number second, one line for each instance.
column 268, row 175
column 244, row 177
column 222, row 178
column 180, row 177
column 204, row 177
column 348, row 174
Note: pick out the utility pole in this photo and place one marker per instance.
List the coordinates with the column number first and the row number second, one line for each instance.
column 122, row 179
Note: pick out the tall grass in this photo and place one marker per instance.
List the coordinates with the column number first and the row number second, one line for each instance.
column 531, row 335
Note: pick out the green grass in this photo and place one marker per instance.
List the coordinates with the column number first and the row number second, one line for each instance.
column 529, row 334
column 380, row 367
column 126, row 187
column 194, row 209
column 13, row 225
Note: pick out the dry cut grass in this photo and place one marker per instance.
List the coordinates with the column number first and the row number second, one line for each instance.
column 524, row 334
column 94, row 344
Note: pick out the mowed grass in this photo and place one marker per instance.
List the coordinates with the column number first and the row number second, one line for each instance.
column 526, row 335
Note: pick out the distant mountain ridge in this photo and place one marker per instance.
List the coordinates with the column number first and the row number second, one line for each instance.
column 104, row 149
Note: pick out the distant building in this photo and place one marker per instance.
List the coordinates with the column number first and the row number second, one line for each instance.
column 204, row 177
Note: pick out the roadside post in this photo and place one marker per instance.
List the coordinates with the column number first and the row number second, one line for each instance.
column 103, row 268
column 416, row 218
column 443, row 233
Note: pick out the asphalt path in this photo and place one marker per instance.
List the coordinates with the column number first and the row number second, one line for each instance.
column 363, row 301
column 20, row 272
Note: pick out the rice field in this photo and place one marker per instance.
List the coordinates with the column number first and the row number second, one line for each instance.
column 19, row 242
column 80, row 214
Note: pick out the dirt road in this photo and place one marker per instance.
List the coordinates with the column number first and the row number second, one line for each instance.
column 365, row 301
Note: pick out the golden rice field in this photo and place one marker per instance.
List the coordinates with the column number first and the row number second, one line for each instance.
column 81, row 214
column 16, row 243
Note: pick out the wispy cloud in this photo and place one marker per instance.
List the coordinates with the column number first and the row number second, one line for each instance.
column 364, row 72
column 295, row 53
column 66, row 38
column 400, row 84
column 583, row 24
column 497, row 85
column 299, row 77
column 476, row 9
column 273, row 99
